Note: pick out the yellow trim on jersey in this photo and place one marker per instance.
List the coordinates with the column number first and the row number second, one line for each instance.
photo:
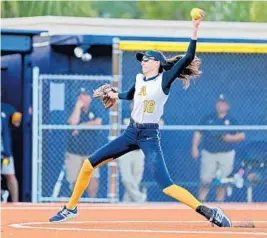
column 201, row 47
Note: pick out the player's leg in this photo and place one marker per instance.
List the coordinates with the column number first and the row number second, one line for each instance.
column 110, row 151
column 207, row 173
column 154, row 156
column 150, row 144
column 73, row 164
column 94, row 183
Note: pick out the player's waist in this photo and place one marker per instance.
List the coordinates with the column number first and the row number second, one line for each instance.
column 144, row 125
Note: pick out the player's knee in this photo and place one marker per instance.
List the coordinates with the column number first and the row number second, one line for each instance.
column 165, row 182
column 92, row 161
column 163, row 179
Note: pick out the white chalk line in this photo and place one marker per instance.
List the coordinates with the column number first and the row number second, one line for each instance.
column 127, row 221
column 124, row 208
column 28, row 226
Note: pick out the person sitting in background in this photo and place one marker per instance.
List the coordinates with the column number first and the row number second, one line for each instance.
column 254, row 162
column 9, row 116
column 80, row 143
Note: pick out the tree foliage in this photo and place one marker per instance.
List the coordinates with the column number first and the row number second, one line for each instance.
column 258, row 11
column 47, row 8
column 230, row 10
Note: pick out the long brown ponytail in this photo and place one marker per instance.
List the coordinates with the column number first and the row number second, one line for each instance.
column 190, row 72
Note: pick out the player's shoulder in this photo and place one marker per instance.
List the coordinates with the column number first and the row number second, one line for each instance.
column 139, row 76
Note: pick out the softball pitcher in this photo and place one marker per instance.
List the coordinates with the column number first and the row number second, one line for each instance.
column 149, row 94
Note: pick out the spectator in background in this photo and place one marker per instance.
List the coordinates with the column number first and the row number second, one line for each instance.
column 131, row 167
column 9, row 116
column 218, row 153
column 80, row 143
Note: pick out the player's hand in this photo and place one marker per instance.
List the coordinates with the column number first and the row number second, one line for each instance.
column 113, row 95
column 196, row 22
column 195, row 153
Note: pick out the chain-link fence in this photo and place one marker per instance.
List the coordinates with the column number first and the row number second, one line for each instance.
column 70, row 126
column 240, row 78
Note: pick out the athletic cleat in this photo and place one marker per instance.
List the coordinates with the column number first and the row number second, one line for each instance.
column 215, row 215
column 219, row 218
column 64, row 214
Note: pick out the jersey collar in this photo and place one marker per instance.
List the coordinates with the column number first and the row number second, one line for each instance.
column 152, row 78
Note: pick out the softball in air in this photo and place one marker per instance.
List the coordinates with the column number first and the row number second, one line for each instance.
column 196, row 13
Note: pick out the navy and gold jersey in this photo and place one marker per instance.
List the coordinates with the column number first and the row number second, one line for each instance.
column 149, row 100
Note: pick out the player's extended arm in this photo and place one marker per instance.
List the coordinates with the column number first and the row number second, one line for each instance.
column 170, row 75
column 126, row 95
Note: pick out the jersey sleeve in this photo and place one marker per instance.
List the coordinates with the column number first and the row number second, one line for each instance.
column 128, row 95
column 170, row 75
